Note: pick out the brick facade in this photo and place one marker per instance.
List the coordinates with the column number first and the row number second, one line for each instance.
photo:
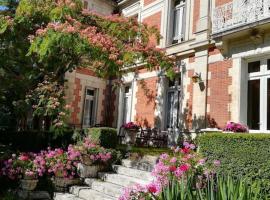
column 221, row 2
column 188, row 108
column 147, row 2
column 75, row 104
column 155, row 21
column 146, row 102
column 219, row 98
column 196, row 14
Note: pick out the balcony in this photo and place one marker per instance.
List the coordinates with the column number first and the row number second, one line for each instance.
column 238, row 15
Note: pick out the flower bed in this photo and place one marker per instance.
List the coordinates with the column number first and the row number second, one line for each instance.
column 186, row 175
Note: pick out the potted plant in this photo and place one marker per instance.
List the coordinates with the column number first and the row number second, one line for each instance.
column 94, row 159
column 22, row 168
column 131, row 130
column 232, row 127
column 62, row 166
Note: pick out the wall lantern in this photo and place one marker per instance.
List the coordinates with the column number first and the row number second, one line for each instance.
column 196, row 78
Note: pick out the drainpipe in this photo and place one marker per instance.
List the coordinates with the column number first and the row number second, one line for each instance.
column 108, row 112
column 207, row 65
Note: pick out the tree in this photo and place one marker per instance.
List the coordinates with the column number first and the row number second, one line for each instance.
column 47, row 38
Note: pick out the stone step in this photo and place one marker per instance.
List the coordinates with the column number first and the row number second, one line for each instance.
column 87, row 193
column 65, row 196
column 140, row 165
column 140, row 174
column 120, row 179
column 105, row 187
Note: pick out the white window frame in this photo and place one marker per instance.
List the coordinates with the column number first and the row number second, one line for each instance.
column 94, row 114
column 176, row 104
column 262, row 75
column 181, row 26
column 129, row 104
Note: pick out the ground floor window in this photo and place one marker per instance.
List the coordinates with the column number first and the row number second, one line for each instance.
column 258, row 95
column 172, row 108
column 90, row 107
column 127, row 104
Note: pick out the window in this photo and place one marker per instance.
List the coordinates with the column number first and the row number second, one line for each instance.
column 173, row 105
column 127, row 104
column 178, row 21
column 90, row 107
column 258, row 95
column 85, row 4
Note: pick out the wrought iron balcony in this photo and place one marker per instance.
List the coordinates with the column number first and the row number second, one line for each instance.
column 239, row 13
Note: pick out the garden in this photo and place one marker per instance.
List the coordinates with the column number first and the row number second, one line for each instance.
column 41, row 41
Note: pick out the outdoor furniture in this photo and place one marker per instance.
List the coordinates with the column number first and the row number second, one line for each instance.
column 147, row 137
column 143, row 137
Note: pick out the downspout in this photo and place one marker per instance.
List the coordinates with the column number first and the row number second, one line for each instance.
column 108, row 112
column 207, row 65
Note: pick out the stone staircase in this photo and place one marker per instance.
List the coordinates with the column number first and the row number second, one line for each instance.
column 109, row 185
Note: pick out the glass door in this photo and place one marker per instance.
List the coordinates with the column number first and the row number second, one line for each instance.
column 89, row 113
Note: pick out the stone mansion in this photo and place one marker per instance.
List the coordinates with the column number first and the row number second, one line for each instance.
column 223, row 65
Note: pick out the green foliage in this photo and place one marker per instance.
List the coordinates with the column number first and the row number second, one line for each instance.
column 8, row 196
column 215, row 188
column 49, row 38
column 106, row 137
column 240, row 154
column 28, row 141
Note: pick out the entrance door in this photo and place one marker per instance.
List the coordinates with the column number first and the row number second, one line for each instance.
column 127, row 105
column 173, row 104
column 90, row 106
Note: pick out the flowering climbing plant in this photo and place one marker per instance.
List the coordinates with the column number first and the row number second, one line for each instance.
column 49, row 38
column 48, row 99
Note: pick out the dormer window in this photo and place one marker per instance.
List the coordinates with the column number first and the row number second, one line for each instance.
column 178, row 19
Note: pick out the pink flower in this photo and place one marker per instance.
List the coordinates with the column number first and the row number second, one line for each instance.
column 173, row 160
column 217, row 163
column 23, row 157
column 201, row 162
column 184, row 167
column 172, row 168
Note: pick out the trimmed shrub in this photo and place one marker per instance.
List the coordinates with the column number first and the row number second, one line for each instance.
column 106, row 137
column 241, row 154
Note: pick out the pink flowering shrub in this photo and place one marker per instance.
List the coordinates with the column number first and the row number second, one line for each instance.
column 21, row 166
column 62, row 163
column 236, row 127
column 93, row 153
column 130, row 125
column 184, row 163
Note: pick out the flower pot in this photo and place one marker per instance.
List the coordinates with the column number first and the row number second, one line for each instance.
column 28, row 184
column 89, row 171
column 86, row 159
column 130, row 137
column 61, row 184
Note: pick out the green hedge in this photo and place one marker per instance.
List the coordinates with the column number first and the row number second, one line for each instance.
column 241, row 154
column 106, row 137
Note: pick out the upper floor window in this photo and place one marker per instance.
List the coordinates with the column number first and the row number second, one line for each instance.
column 178, row 19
